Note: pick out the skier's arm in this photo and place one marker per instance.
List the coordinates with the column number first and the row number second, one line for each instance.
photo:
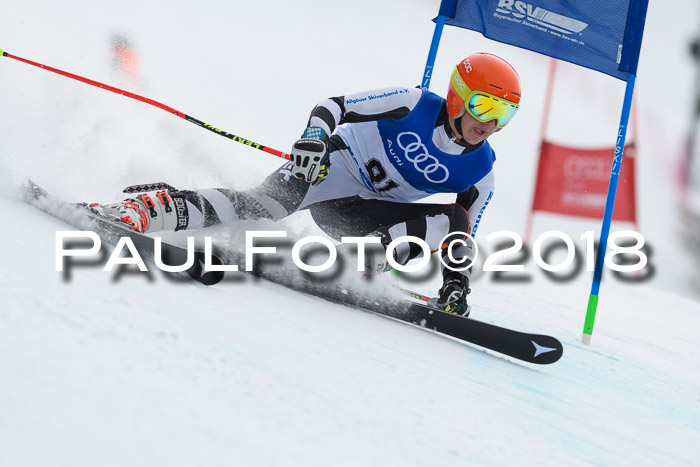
column 376, row 104
column 476, row 199
column 310, row 155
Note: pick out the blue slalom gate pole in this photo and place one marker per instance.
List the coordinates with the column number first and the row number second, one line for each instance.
column 439, row 24
column 447, row 9
column 607, row 216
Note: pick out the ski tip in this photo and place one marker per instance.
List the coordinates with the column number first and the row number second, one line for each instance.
column 3, row 53
column 549, row 352
column 586, row 338
column 30, row 185
column 32, row 192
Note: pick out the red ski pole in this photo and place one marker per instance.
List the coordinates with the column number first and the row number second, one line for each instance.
column 190, row 119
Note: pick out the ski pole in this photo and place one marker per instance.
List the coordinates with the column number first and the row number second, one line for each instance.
column 412, row 294
column 190, row 119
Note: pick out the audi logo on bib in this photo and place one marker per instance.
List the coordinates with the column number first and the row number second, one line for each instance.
column 416, row 152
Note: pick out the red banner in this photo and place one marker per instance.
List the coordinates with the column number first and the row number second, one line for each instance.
column 574, row 182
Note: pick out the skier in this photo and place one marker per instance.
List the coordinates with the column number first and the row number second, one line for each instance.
column 362, row 161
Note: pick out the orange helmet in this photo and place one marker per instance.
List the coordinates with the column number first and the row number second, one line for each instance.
column 488, row 85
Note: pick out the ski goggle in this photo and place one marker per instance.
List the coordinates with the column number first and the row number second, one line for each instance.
column 481, row 105
column 486, row 107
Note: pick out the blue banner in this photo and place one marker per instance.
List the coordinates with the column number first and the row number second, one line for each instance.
column 603, row 35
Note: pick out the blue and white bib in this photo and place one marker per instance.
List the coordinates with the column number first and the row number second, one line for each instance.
column 397, row 160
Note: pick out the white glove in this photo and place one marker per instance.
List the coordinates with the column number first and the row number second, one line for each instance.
column 309, row 156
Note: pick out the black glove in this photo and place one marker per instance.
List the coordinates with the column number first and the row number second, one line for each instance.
column 310, row 156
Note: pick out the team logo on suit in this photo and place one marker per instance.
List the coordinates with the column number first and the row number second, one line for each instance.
column 416, row 153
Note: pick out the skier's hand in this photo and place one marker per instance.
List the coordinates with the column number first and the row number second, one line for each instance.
column 310, row 156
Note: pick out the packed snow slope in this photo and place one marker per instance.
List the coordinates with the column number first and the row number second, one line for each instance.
column 133, row 369
column 128, row 368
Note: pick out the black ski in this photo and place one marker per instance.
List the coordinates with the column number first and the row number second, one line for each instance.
column 110, row 232
column 533, row 348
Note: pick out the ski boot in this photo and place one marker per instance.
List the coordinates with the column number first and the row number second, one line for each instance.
column 453, row 295
column 154, row 211
column 376, row 262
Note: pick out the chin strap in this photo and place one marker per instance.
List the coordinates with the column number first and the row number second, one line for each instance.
column 455, row 136
column 458, row 126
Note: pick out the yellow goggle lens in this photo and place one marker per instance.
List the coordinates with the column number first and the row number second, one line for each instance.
column 485, row 107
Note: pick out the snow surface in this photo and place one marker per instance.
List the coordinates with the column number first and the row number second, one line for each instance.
column 133, row 369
